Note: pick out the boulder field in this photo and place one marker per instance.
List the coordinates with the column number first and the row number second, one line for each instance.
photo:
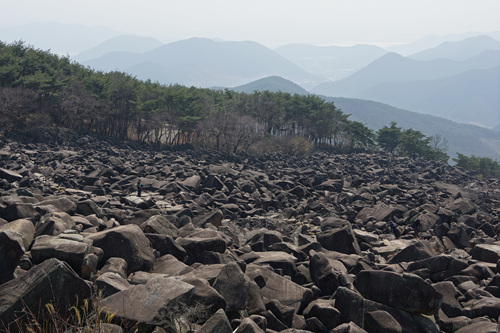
column 240, row 243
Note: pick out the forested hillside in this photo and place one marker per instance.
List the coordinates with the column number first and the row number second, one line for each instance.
column 42, row 89
column 39, row 89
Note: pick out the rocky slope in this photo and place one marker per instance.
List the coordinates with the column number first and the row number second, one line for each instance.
column 258, row 244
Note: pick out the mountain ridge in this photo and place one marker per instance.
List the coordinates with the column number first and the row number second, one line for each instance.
column 239, row 63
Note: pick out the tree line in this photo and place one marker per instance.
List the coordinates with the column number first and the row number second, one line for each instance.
column 40, row 89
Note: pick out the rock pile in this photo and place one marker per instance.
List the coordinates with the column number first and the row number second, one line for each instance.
column 253, row 244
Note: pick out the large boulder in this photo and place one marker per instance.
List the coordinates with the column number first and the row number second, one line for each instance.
column 165, row 244
column 53, row 281
column 70, row 248
column 324, row 311
column 16, row 211
column 204, row 293
column 24, row 228
column 486, row 252
column 380, row 322
column 277, row 287
column 281, row 261
column 61, row 204
column 326, row 274
column 218, row 323
column 235, row 287
column 168, row 264
column 155, row 303
column 9, row 175
column 110, row 283
column 341, row 240
column 158, row 224
column 54, row 223
column 11, row 251
column 351, row 306
column 127, row 242
column 416, row 251
column 408, row 292
column 439, row 267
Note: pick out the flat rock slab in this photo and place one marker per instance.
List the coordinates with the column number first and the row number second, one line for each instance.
column 148, row 303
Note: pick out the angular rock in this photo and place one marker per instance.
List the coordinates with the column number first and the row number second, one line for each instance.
column 451, row 306
column 54, row 224
column 482, row 326
column 9, row 175
column 204, row 293
column 158, row 224
column 282, row 313
column 278, row 261
column 110, row 283
column 218, row 323
column 440, row 267
column 280, row 288
column 115, row 265
column 127, row 242
column 380, row 322
column 11, row 252
column 414, row 252
column 24, row 228
column 234, row 286
column 347, row 328
column 324, row 311
column 61, row 204
column 247, row 325
column 407, row 292
column 486, row 252
column 166, row 245
column 69, row 248
column 341, row 240
column 52, row 281
column 18, row 211
column 351, row 306
column 151, row 304
column 323, row 275
column 169, row 265
column 89, row 207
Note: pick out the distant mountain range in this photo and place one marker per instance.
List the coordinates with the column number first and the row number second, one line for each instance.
column 332, row 62
column 460, row 90
column 122, row 43
column 472, row 97
column 459, row 50
column 204, row 62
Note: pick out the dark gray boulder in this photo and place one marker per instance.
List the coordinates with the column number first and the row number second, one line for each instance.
column 52, row 281
column 351, row 306
column 70, row 248
column 218, row 323
column 11, row 251
column 324, row 311
column 127, row 242
column 151, row 304
column 407, row 291
column 341, row 240
column 414, row 252
column 380, row 322
column 24, row 228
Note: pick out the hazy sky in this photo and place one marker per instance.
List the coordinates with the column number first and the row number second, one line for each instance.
column 270, row 22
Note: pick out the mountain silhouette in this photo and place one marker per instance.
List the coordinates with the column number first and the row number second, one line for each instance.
column 206, row 63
